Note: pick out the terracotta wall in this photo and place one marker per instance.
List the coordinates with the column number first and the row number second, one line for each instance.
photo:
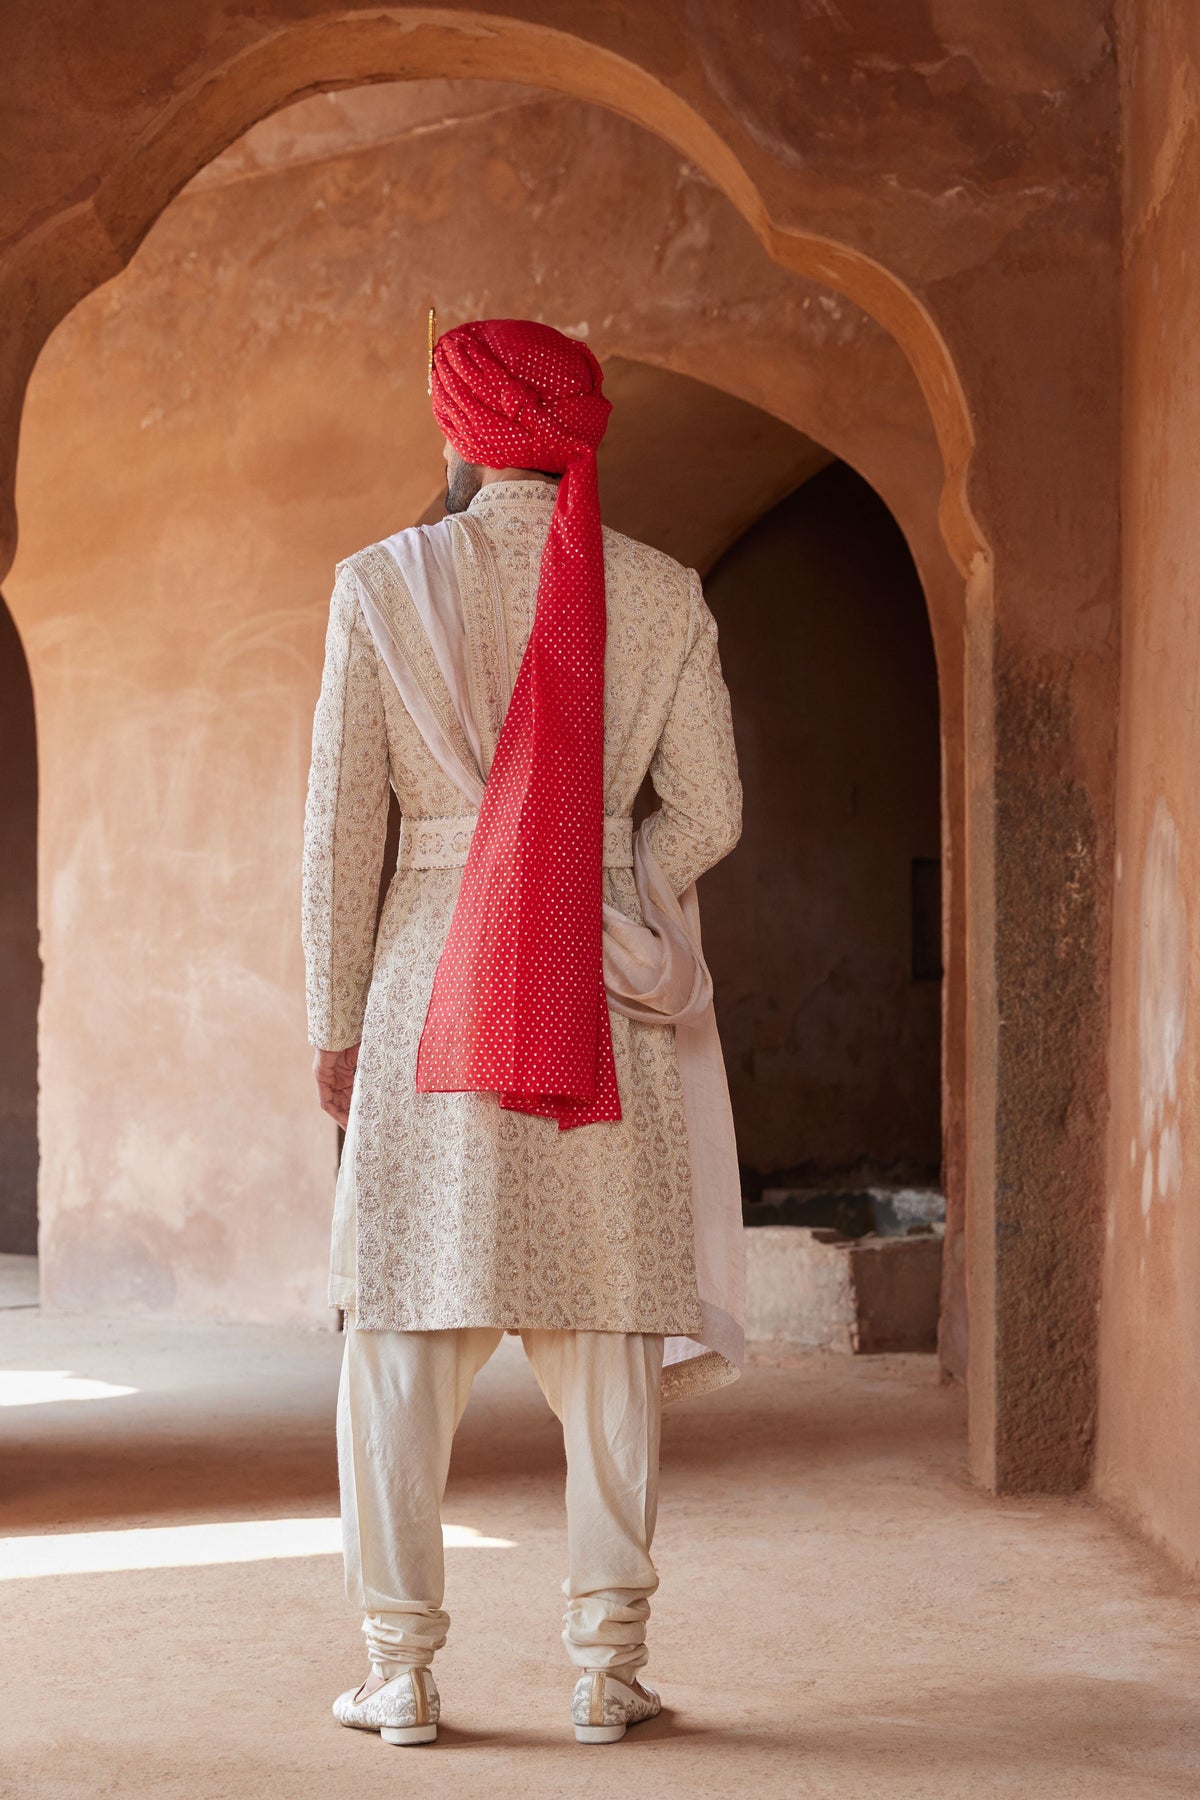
column 204, row 438
column 1149, row 1446
column 832, row 1047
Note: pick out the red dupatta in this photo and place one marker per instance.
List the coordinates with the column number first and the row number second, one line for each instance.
column 518, row 1006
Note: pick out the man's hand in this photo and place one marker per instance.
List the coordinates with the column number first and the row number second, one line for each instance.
column 334, row 1073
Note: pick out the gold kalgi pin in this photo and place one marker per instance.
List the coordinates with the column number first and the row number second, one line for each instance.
column 432, row 341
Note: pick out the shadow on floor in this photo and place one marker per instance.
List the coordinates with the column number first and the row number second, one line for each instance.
column 186, row 1446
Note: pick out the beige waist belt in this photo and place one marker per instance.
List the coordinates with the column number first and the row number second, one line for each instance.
column 443, row 843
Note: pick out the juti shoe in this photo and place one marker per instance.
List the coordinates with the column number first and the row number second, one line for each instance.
column 604, row 1705
column 403, row 1709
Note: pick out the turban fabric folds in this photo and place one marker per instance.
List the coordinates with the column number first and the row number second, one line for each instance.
column 518, row 1006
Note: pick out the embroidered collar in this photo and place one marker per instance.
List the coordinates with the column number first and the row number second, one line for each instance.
column 518, row 493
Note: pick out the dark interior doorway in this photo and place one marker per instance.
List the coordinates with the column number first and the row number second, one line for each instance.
column 823, row 930
column 20, row 965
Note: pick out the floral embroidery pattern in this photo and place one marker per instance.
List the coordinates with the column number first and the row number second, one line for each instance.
column 467, row 1214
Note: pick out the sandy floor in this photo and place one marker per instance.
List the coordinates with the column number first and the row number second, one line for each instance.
column 840, row 1613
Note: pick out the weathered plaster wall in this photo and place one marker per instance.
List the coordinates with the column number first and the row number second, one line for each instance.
column 204, row 438
column 1149, row 1445
column 832, row 1047
column 950, row 169
column 20, row 968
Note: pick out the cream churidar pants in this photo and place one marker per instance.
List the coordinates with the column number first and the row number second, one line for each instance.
column 402, row 1395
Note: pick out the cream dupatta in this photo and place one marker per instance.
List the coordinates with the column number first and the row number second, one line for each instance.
column 655, row 972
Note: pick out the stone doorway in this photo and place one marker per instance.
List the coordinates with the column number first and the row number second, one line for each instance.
column 225, row 420
column 825, row 932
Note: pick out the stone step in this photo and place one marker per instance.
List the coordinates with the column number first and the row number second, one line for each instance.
column 862, row 1295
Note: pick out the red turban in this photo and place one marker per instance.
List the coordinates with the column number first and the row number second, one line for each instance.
column 518, row 1005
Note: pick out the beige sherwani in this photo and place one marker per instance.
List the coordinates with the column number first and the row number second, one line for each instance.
column 463, row 1214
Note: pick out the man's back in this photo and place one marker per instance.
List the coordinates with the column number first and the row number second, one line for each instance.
column 430, row 1168
column 665, row 705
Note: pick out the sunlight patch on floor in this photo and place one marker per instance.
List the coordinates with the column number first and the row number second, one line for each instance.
column 38, row 1387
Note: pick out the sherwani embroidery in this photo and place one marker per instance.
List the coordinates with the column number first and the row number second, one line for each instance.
column 467, row 1215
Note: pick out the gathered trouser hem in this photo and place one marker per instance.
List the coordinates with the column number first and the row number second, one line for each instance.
column 401, row 1398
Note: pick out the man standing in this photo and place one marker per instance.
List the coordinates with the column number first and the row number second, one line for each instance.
column 523, row 1056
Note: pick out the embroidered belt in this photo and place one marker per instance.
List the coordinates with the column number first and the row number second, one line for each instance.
column 427, row 843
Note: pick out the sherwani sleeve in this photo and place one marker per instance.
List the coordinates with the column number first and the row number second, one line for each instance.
column 694, row 769
column 345, row 826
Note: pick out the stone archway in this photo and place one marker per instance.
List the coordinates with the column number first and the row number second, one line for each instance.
column 97, row 239
column 93, row 241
